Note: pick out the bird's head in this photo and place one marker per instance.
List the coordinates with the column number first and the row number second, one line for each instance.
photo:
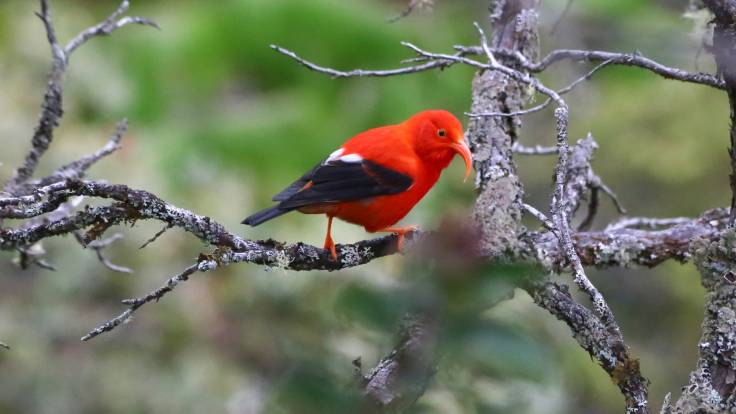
column 437, row 137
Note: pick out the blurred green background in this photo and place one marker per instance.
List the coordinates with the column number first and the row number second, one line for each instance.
column 219, row 122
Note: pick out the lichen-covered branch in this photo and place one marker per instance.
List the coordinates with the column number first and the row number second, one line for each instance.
column 622, row 246
column 131, row 205
column 595, row 337
column 398, row 379
column 712, row 386
column 51, row 108
column 623, row 59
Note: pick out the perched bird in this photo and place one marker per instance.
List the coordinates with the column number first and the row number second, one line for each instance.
column 377, row 176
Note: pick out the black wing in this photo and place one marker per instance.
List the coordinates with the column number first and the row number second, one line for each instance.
column 345, row 181
column 334, row 182
column 296, row 185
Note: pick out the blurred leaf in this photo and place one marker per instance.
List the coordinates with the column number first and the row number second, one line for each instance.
column 377, row 309
column 494, row 350
column 309, row 389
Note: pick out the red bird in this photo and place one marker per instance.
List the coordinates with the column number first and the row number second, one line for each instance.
column 377, row 176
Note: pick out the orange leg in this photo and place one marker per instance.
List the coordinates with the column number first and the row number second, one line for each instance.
column 401, row 232
column 329, row 244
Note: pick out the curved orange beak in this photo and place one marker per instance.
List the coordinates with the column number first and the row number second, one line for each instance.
column 464, row 151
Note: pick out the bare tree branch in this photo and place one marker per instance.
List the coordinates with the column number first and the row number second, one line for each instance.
column 98, row 246
column 535, row 150
column 35, row 197
column 155, row 236
column 106, row 27
column 33, row 255
column 547, row 101
column 646, row 223
column 137, row 303
column 131, row 205
column 562, row 204
column 624, row 59
column 548, row 224
column 401, row 377
column 626, row 246
column 434, row 64
column 78, row 168
column 608, row 349
column 627, row 59
column 51, row 108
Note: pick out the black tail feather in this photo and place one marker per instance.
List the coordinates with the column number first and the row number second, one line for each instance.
column 265, row 215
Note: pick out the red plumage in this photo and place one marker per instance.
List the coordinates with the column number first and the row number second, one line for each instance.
column 377, row 176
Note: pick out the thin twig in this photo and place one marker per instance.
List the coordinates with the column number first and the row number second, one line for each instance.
column 520, row 112
column 434, row 64
column 78, row 168
column 613, row 196
column 624, row 59
column 45, row 16
column 99, row 245
column 134, row 304
column 106, row 27
column 647, row 223
column 33, row 255
column 562, row 222
column 155, row 236
column 548, row 224
column 627, row 59
column 535, row 150
column 547, row 101
column 585, row 77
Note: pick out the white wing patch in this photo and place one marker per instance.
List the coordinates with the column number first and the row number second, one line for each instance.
column 337, row 156
column 334, row 156
column 351, row 158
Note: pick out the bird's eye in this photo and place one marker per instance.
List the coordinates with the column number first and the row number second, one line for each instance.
column 441, row 133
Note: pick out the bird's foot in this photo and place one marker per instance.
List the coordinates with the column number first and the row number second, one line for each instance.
column 401, row 233
column 330, row 246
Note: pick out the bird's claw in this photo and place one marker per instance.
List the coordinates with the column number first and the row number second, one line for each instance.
column 401, row 234
column 330, row 247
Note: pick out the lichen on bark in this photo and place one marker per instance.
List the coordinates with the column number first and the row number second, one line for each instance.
column 500, row 192
column 712, row 386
